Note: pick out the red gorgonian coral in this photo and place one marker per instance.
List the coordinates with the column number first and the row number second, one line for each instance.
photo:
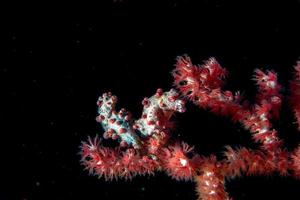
column 145, row 144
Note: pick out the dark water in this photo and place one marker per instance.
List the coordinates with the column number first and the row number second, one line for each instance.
column 58, row 59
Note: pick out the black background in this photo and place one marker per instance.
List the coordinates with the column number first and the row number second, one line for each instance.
column 58, row 59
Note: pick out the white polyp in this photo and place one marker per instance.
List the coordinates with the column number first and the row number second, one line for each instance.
column 204, row 76
column 263, row 116
column 271, row 84
column 99, row 162
column 269, row 140
column 183, row 162
column 207, row 183
column 209, row 173
column 179, row 106
column 263, row 130
column 212, row 192
column 190, row 80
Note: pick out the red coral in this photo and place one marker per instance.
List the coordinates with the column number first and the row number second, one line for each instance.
column 210, row 182
column 145, row 146
column 295, row 93
column 178, row 163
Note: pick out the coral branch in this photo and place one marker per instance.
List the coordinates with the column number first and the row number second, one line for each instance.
column 178, row 164
column 203, row 85
column 210, row 183
column 145, row 145
column 295, row 96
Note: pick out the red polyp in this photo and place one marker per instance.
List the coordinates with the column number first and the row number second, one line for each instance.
column 172, row 98
column 122, row 130
column 112, row 120
column 106, row 135
column 162, row 104
column 127, row 118
column 159, row 92
column 145, row 102
column 151, row 122
column 123, row 143
column 135, row 126
column 99, row 103
column 114, row 136
column 100, row 118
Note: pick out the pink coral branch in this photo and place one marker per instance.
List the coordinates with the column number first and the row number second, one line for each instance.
column 203, row 85
column 145, row 145
column 295, row 93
